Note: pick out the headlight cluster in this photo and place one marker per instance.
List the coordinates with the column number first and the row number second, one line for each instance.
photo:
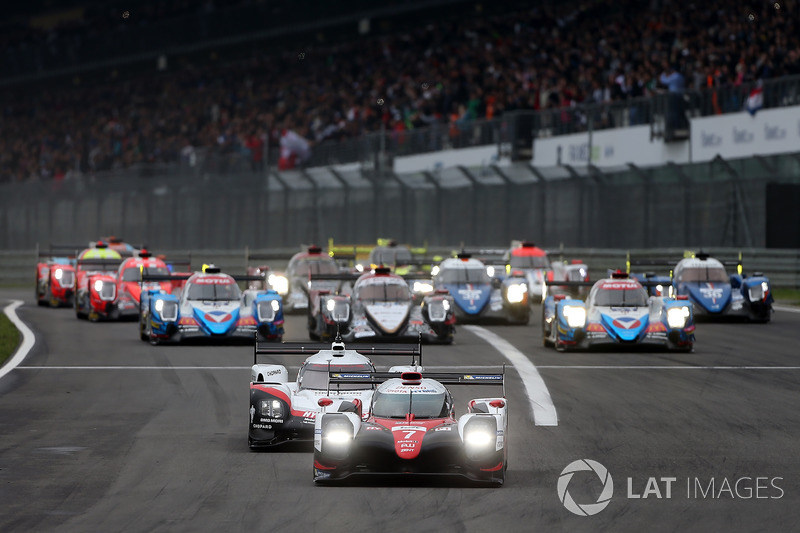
column 490, row 271
column 423, row 287
column 575, row 315
column 167, row 310
column 279, row 283
column 58, row 273
column 272, row 408
column 267, row 310
column 480, row 436
column 339, row 310
column 105, row 290
column 337, row 436
column 677, row 316
column 516, row 292
column 758, row 292
column 437, row 310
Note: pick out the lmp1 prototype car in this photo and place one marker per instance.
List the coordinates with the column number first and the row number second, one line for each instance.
column 381, row 306
column 294, row 285
column 478, row 297
column 412, row 429
column 283, row 410
column 55, row 278
column 715, row 294
column 618, row 312
column 210, row 306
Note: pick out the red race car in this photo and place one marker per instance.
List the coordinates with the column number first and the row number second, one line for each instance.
column 55, row 277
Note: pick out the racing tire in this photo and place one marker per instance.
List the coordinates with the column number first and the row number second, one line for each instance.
column 142, row 335
column 154, row 341
column 78, row 312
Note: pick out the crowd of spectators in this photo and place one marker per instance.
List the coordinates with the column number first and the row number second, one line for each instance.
column 446, row 73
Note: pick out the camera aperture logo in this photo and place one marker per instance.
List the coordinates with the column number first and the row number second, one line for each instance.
column 585, row 509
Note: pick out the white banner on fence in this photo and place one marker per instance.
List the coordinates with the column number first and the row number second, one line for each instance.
column 477, row 156
column 608, row 148
column 769, row 131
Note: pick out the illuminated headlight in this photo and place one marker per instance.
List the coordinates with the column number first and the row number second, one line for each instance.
column 660, row 290
column 480, row 436
column 167, row 310
column 337, row 436
column 437, row 310
column 272, row 408
column 98, row 285
column 434, row 270
column 423, row 287
column 106, row 291
column 516, row 293
column 58, row 273
column 159, row 305
column 267, row 310
column 279, row 283
column 360, row 267
column 676, row 316
column 576, row 316
column 330, row 305
column 490, row 271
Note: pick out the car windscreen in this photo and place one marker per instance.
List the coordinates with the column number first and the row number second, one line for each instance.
column 621, row 297
column 422, row 405
column 710, row 273
column 463, row 275
column 529, row 261
column 383, row 292
column 212, row 291
column 133, row 273
column 304, row 267
column 315, row 377
column 390, row 256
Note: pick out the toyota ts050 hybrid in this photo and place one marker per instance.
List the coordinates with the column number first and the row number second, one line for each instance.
column 412, row 429
column 381, row 307
column 480, row 298
column 715, row 294
column 618, row 312
column 210, row 306
column 282, row 411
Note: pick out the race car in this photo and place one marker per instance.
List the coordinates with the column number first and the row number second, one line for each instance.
column 96, row 273
column 713, row 293
column 535, row 264
column 618, row 313
column 574, row 270
column 381, row 307
column 210, row 306
column 283, row 411
column 411, row 263
column 294, row 284
column 480, row 298
column 55, row 277
column 130, row 285
column 411, row 429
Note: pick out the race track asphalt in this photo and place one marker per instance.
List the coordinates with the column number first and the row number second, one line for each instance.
column 102, row 432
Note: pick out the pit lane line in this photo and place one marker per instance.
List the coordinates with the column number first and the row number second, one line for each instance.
column 28, row 338
column 544, row 411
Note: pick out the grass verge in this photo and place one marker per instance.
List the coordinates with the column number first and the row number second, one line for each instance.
column 786, row 296
column 9, row 338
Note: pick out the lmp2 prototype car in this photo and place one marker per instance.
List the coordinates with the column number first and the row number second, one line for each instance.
column 381, row 306
column 96, row 273
column 618, row 312
column 210, row 306
column 411, row 428
column 480, row 298
column 55, row 277
column 294, row 284
column 282, row 411
column 715, row 294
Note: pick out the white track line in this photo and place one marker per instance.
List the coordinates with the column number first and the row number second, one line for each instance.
column 28, row 338
column 665, row 367
column 786, row 308
column 544, row 412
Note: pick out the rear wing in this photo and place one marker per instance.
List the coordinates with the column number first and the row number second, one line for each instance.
column 187, row 275
column 553, row 283
column 671, row 262
column 445, row 378
column 310, row 348
column 70, row 251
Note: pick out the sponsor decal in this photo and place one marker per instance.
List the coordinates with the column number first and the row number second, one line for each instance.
column 247, row 321
column 446, row 428
column 711, row 293
column 619, row 285
column 595, row 327
column 272, row 420
column 656, row 327
column 350, row 376
column 262, row 426
column 626, row 322
column 470, row 293
column 187, row 321
column 483, row 377
column 218, row 317
column 213, row 280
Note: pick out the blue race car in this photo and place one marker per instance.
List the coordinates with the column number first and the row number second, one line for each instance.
column 209, row 306
column 714, row 294
column 480, row 298
column 618, row 312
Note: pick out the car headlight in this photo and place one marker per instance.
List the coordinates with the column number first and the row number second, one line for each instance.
column 660, row 290
column 337, row 436
column 423, row 287
column 437, row 310
column 516, row 292
column 267, row 309
column 480, row 436
column 339, row 310
column 58, row 273
column 98, row 285
column 271, row 408
column 279, row 283
column 167, row 310
column 677, row 316
column 755, row 293
column 434, row 270
column 490, row 271
column 276, row 305
column 159, row 305
column 575, row 315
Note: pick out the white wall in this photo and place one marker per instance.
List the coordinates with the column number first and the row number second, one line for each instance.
column 469, row 157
